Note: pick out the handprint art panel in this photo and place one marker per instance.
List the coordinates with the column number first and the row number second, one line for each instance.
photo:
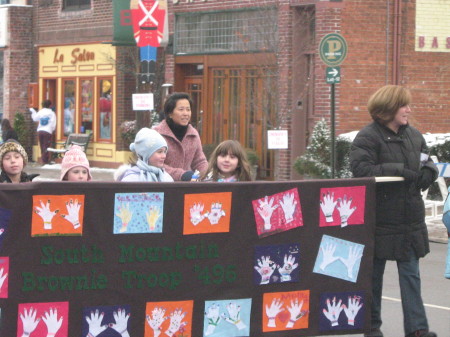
column 344, row 310
column 342, row 206
column 227, row 318
column 171, row 319
column 276, row 264
column 4, row 279
column 285, row 311
column 278, row 212
column 106, row 321
column 137, row 213
column 43, row 319
column 57, row 215
column 339, row 258
column 207, row 213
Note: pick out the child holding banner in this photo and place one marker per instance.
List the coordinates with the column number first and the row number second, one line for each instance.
column 75, row 165
column 150, row 149
column 228, row 163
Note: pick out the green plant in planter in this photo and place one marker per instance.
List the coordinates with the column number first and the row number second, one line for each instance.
column 20, row 127
column 252, row 156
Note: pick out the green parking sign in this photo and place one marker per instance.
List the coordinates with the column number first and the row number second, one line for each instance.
column 333, row 49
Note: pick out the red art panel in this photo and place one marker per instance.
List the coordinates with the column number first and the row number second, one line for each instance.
column 43, row 319
column 278, row 212
column 342, row 206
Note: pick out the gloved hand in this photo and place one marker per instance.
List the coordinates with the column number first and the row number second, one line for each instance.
column 425, row 178
column 410, row 175
column 187, row 176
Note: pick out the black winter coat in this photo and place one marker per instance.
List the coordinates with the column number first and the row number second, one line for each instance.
column 400, row 213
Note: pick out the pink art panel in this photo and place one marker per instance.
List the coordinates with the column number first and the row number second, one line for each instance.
column 278, row 212
column 342, row 206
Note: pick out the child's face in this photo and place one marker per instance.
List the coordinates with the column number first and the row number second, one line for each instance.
column 227, row 164
column 12, row 163
column 77, row 173
column 158, row 157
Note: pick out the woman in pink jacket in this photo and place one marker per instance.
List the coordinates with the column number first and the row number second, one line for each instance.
column 186, row 152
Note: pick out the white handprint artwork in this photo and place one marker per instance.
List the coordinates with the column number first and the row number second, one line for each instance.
column 156, row 320
column 196, row 213
column 272, row 311
column 288, row 204
column 212, row 314
column 215, row 214
column 354, row 254
column 233, row 317
column 345, row 210
column 295, row 309
column 46, row 214
column 288, row 267
column 265, row 210
column 176, row 322
column 327, row 205
column 265, row 268
column 352, row 309
column 73, row 213
column 333, row 312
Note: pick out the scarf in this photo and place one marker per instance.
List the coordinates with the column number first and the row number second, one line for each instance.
column 178, row 130
column 150, row 173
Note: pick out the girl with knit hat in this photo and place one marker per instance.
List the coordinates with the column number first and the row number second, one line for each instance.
column 150, row 149
column 75, row 165
column 13, row 159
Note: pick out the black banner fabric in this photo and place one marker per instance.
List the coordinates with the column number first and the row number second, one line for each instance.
column 186, row 259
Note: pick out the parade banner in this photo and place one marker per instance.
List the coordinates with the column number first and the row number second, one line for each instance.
column 112, row 259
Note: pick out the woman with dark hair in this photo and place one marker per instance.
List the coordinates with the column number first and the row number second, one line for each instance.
column 389, row 146
column 186, row 152
column 8, row 131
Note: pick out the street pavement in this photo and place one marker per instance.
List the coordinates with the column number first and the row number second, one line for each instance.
column 435, row 288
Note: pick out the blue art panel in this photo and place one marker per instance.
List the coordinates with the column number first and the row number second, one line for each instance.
column 138, row 213
column 227, row 318
column 5, row 215
column 276, row 264
column 344, row 310
column 339, row 258
column 106, row 321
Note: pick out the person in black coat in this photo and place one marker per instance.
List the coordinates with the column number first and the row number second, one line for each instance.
column 389, row 146
column 8, row 131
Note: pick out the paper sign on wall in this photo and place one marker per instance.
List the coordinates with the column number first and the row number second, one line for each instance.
column 277, row 139
column 143, row 101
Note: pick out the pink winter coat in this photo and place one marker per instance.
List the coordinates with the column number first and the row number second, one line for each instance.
column 182, row 156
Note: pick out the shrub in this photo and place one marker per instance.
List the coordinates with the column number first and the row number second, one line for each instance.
column 316, row 162
column 20, row 127
column 128, row 131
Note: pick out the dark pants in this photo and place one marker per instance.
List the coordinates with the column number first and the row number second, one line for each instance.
column 45, row 141
column 414, row 317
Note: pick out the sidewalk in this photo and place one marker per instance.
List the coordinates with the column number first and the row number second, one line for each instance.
column 436, row 229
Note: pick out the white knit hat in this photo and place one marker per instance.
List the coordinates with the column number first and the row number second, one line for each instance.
column 147, row 142
column 73, row 158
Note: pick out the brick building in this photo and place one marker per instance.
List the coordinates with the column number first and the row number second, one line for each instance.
column 250, row 66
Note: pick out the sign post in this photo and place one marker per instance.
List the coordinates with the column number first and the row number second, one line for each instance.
column 332, row 51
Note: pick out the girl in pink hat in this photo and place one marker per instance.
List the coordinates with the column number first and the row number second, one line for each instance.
column 75, row 165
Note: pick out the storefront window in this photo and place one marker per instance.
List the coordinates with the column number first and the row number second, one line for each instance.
column 105, row 105
column 69, row 107
column 87, row 93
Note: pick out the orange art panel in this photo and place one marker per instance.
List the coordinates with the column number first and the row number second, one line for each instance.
column 207, row 213
column 285, row 310
column 55, row 215
column 169, row 316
